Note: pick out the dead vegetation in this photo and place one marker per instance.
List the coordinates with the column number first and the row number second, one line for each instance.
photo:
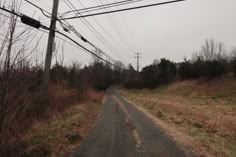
column 65, row 131
column 201, row 109
column 34, row 126
column 22, row 102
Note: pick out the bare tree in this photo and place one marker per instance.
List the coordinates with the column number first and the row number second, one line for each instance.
column 155, row 62
column 15, row 79
column 233, row 52
column 213, row 50
column 98, row 52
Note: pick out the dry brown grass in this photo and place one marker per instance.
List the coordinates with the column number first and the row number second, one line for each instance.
column 49, row 127
column 204, row 110
column 72, row 115
column 63, row 133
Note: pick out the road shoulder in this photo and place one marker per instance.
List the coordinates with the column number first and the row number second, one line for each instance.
column 185, row 143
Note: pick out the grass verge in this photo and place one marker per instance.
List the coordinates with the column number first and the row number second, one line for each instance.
column 204, row 111
column 65, row 131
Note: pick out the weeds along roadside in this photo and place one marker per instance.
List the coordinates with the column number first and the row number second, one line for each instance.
column 22, row 105
column 64, row 131
column 201, row 109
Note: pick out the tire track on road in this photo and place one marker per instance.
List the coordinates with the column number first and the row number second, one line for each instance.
column 130, row 124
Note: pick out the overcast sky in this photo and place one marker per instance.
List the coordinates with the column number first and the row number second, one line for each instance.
column 172, row 31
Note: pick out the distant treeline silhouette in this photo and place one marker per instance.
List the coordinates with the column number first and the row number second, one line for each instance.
column 96, row 75
column 212, row 61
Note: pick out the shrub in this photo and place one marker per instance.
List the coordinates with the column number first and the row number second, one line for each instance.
column 168, row 70
column 151, row 76
column 234, row 67
column 201, row 68
column 134, row 84
column 185, row 70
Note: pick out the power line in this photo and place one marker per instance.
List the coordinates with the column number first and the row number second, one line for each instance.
column 11, row 12
column 42, row 10
column 85, row 48
column 43, row 3
column 32, row 22
column 125, row 35
column 114, row 26
column 120, row 10
column 76, row 46
column 93, row 30
column 70, row 27
column 110, row 6
column 90, row 27
column 98, row 7
column 114, row 23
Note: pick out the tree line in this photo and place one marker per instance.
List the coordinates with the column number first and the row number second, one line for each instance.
column 211, row 61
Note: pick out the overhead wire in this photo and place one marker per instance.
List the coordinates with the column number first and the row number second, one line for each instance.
column 98, row 35
column 91, row 28
column 68, row 25
column 126, row 30
column 94, row 14
column 121, row 10
column 115, row 24
column 98, row 7
column 87, row 50
column 66, row 36
column 24, row 38
column 123, row 35
column 76, row 46
column 42, row 10
column 117, row 53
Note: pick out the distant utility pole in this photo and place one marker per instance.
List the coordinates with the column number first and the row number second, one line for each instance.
column 51, row 37
column 137, row 56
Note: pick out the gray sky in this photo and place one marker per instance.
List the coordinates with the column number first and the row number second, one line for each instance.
column 171, row 31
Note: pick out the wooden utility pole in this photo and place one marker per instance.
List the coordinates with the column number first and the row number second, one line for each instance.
column 137, row 56
column 51, row 37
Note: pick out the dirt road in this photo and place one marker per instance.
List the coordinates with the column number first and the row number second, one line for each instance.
column 124, row 131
